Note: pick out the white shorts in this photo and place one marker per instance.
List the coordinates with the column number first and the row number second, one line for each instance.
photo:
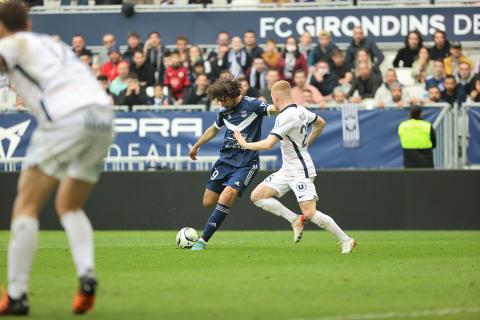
column 73, row 146
column 304, row 188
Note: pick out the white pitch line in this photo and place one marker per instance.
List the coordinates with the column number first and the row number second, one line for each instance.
column 407, row 314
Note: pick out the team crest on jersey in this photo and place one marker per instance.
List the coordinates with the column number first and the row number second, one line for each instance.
column 244, row 113
column 350, row 123
column 301, row 187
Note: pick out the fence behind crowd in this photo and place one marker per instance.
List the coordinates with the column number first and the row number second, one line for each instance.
column 161, row 140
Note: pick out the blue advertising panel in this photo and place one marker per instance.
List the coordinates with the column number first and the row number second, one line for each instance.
column 173, row 133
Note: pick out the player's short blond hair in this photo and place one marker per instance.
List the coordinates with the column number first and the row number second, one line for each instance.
column 282, row 88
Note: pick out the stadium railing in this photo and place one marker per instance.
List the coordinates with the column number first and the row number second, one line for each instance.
column 174, row 163
column 445, row 155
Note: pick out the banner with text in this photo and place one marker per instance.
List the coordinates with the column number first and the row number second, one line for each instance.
column 389, row 24
column 173, row 133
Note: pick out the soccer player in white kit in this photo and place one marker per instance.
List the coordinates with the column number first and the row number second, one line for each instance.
column 74, row 132
column 298, row 171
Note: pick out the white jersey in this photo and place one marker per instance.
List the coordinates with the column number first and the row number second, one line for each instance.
column 49, row 77
column 291, row 127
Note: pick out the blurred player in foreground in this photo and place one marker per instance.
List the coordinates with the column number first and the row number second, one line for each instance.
column 74, row 132
column 236, row 167
column 298, row 171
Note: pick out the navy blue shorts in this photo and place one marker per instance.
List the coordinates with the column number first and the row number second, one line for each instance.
column 225, row 175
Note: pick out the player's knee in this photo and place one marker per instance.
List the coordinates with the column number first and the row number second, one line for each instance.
column 308, row 214
column 228, row 196
column 207, row 203
column 22, row 207
column 62, row 207
column 256, row 196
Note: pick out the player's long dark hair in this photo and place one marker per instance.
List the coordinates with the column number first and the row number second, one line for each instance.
column 226, row 87
column 14, row 15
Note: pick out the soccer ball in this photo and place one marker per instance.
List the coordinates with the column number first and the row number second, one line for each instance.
column 186, row 237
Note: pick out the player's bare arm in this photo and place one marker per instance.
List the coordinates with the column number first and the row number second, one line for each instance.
column 208, row 135
column 272, row 111
column 317, row 129
column 266, row 144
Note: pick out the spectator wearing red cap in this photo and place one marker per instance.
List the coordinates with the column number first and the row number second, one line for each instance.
column 176, row 77
column 110, row 68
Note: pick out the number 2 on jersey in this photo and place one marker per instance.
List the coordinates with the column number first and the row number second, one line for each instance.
column 303, row 130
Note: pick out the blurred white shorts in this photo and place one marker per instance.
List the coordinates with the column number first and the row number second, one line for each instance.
column 73, row 146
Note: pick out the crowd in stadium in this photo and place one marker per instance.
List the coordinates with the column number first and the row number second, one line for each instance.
column 146, row 73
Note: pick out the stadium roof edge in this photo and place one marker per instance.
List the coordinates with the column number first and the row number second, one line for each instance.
column 57, row 9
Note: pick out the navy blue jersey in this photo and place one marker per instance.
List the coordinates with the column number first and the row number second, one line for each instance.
column 246, row 117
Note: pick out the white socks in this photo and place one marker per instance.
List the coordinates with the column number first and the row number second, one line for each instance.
column 21, row 250
column 327, row 223
column 80, row 237
column 275, row 207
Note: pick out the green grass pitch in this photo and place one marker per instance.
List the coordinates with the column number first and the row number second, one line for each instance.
column 263, row 275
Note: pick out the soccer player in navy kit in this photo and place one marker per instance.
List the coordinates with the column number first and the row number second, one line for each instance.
column 236, row 167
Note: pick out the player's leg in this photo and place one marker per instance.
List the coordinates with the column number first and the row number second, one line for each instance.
column 71, row 197
column 34, row 188
column 210, row 198
column 83, row 170
column 225, row 201
column 229, row 182
column 307, row 200
column 263, row 197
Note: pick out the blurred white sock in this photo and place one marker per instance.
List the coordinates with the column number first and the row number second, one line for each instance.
column 275, row 207
column 21, row 250
column 327, row 223
column 80, row 237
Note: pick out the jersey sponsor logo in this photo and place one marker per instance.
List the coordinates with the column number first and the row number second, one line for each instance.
column 301, row 187
column 14, row 135
column 163, row 126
